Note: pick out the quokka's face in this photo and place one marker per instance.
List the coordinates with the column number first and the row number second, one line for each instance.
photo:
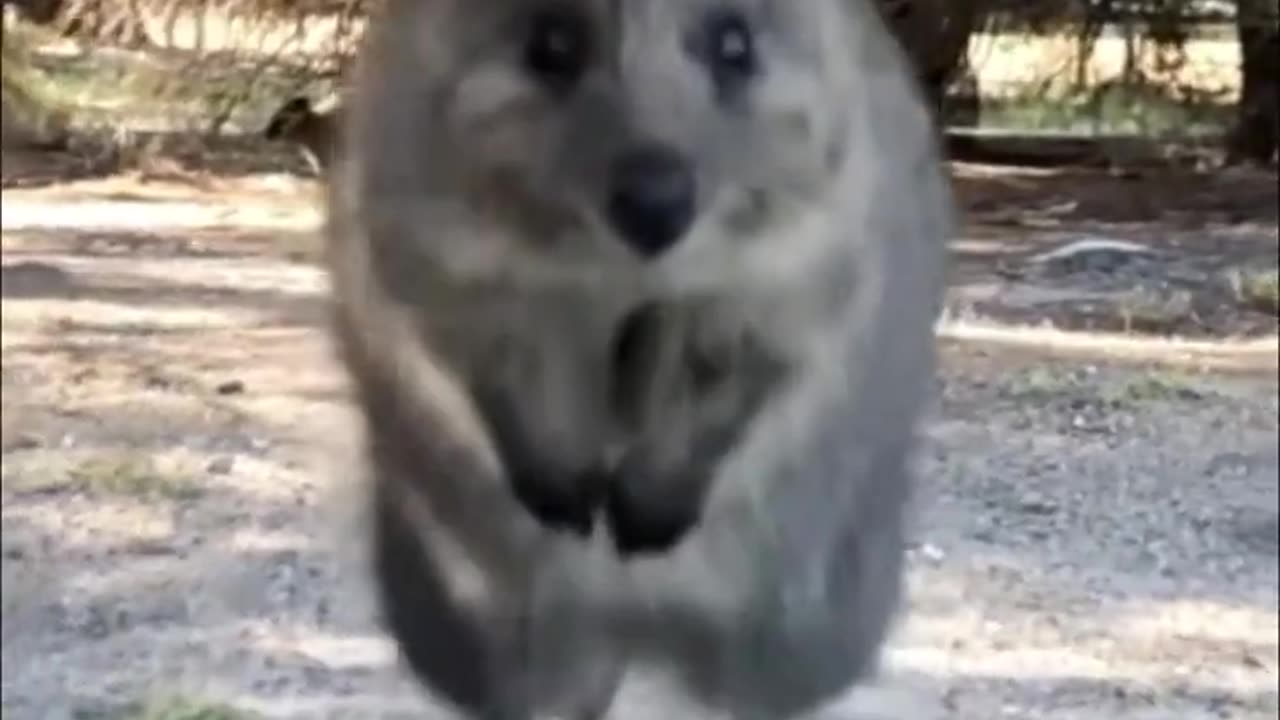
column 621, row 136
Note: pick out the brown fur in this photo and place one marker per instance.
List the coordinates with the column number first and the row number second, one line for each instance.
column 581, row 457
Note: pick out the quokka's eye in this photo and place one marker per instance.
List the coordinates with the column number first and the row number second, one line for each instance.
column 728, row 45
column 557, row 46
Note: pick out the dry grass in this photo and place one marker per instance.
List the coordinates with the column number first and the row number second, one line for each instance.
column 114, row 91
column 1006, row 65
column 120, row 474
column 136, row 476
column 1258, row 289
column 1030, row 83
column 1255, row 355
column 27, row 99
column 184, row 708
column 1041, row 383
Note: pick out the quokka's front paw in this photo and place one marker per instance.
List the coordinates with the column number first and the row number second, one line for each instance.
column 567, row 507
column 648, row 523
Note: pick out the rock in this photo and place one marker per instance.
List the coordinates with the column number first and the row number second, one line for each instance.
column 34, row 279
column 1095, row 254
column 221, row 465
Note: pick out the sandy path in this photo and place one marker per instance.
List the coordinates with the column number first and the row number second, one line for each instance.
column 1095, row 540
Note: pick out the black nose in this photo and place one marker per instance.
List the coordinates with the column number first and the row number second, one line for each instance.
column 651, row 199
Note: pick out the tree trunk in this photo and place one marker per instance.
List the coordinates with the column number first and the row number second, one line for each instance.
column 952, row 55
column 1257, row 129
column 935, row 34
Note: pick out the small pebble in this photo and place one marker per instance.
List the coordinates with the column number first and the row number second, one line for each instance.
column 221, row 465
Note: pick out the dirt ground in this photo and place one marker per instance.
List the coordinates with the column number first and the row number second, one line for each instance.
column 1096, row 535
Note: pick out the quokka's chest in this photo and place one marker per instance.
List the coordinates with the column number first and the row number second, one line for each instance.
column 528, row 342
column 614, row 348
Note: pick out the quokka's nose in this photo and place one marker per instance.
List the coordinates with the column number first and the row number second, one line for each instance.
column 651, row 199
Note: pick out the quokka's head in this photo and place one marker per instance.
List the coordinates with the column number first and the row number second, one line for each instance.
column 625, row 138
